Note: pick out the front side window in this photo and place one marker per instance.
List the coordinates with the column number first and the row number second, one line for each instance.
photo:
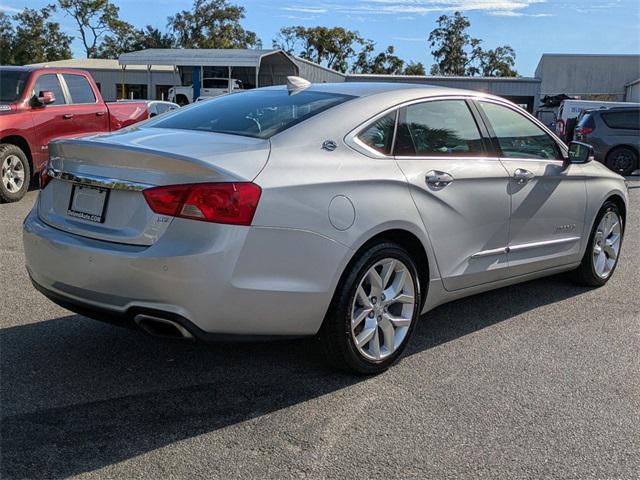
column 12, row 83
column 628, row 120
column 79, row 89
column 518, row 136
column 49, row 83
column 255, row 113
column 442, row 128
column 379, row 134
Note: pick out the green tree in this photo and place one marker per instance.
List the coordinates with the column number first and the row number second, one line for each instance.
column 94, row 18
column 415, row 68
column 7, row 39
column 332, row 47
column 457, row 53
column 498, row 62
column 385, row 62
column 212, row 24
column 126, row 38
column 36, row 39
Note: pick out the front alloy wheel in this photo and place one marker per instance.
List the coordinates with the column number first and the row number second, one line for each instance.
column 606, row 244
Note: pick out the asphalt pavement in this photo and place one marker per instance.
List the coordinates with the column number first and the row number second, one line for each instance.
column 537, row 380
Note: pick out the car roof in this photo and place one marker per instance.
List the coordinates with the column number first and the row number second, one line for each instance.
column 615, row 109
column 365, row 89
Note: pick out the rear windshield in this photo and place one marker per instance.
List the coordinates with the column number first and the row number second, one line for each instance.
column 587, row 121
column 12, row 83
column 256, row 113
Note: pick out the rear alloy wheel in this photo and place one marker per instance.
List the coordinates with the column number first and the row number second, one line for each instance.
column 601, row 258
column 374, row 311
column 14, row 173
column 622, row 160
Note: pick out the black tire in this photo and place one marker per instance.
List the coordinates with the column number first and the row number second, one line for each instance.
column 622, row 160
column 335, row 335
column 12, row 152
column 182, row 100
column 585, row 274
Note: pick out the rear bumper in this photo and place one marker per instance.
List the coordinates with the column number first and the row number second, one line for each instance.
column 216, row 280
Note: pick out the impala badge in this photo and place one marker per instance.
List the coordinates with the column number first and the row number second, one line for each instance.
column 570, row 227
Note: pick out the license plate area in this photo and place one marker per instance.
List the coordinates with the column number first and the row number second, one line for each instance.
column 88, row 203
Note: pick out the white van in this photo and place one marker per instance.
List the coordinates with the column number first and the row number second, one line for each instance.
column 572, row 108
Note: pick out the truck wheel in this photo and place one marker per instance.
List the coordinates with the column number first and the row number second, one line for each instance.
column 14, row 173
column 182, row 100
column 622, row 160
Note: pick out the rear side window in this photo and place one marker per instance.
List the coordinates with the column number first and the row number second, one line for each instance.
column 79, row 88
column 628, row 120
column 256, row 113
column 379, row 134
column 50, row 83
column 518, row 136
column 438, row 128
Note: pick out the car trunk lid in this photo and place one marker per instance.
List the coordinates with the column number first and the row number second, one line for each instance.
column 97, row 184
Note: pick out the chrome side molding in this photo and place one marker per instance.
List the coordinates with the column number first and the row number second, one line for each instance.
column 524, row 246
column 97, row 181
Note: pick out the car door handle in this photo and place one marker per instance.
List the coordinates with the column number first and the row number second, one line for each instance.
column 522, row 176
column 67, row 116
column 99, row 114
column 438, row 179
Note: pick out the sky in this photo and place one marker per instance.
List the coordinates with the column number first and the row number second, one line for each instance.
column 531, row 27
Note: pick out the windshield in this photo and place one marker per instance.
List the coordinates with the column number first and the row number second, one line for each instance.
column 12, row 83
column 256, row 113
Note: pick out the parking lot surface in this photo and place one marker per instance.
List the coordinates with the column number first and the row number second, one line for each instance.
column 536, row 380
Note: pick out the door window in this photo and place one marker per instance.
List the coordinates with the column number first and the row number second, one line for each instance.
column 627, row 120
column 443, row 128
column 79, row 88
column 379, row 134
column 518, row 136
column 50, row 83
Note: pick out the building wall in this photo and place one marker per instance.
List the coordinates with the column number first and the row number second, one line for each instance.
column 317, row 73
column 591, row 77
column 632, row 92
column 109, row 81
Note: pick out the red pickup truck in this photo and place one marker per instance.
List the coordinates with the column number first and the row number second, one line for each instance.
column 38, row 105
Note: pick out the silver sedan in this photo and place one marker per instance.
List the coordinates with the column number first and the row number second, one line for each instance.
column 338, row 210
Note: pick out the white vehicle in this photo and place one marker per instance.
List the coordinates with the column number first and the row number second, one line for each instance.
column 572, row 108
column 211, row 87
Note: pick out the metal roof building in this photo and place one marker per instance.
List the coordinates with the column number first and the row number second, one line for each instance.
column 255, row 68
column 590, row 77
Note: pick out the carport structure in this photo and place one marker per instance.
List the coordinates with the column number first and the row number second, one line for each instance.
column 255, row 68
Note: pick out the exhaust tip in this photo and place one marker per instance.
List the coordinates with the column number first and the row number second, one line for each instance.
column 161, row 327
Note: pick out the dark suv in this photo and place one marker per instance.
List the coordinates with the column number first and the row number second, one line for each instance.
column 615, row 136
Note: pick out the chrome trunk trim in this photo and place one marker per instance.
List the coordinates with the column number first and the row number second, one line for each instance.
column 97, row 181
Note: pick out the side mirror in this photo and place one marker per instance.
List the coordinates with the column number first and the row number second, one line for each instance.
column 44, row 98
column 580, row 153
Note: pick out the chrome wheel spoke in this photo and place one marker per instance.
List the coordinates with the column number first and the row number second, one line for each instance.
column 389, row 334
column 374, row 345
column 398, row 321
column 610, row 251
column 364, row 313
column 366, row 335
column 363, row 297
column 376, row 281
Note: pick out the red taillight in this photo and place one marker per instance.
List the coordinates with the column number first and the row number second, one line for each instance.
column 231, row 203
column 560, row 127
column 44, row 177
column 584, row 131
